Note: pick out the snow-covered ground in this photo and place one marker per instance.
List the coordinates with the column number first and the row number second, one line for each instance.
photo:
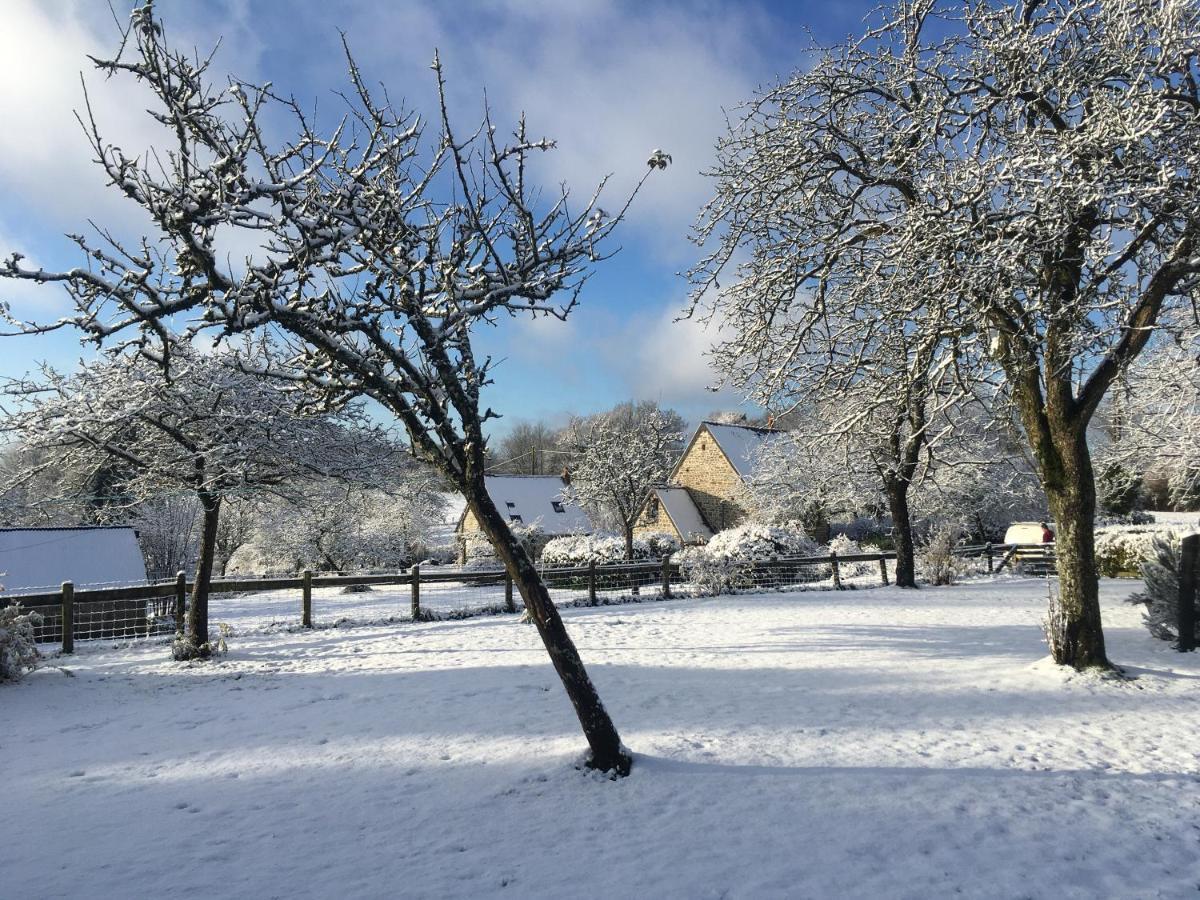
column 865, row 744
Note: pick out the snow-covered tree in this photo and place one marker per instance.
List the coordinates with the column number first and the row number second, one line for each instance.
column 168, row 532
column 209, row 428
column 1157, row 431
column 338, row 527
column 616, row 456
column 385, row 247
column 978, row 478
column 1017, row 176
column 800, row 477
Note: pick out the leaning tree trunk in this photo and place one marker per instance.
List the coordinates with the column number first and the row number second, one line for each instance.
column 902, row 531
column 195, row 641
column 607, row 754
column 1071, row 492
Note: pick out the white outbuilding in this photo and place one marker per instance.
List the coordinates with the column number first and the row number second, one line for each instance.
column 35, row 560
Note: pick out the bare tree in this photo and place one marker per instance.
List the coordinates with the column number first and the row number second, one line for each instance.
column 618, row 455
column 1028, row 164
column 529, row 448
column 210, row 429
column 382, row 252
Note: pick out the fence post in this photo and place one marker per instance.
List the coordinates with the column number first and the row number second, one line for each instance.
column 1188, row 555
column 508, row 592
column 837, row 575
column 666, row 577
column 592, row 582
column 988, row 550
column 180, row 601
column 416, row 592
column 306, row 599
column 68, row 617
column 883, row 570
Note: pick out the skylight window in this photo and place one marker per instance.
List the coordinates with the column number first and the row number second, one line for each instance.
column 514, row 517
column 558, row 507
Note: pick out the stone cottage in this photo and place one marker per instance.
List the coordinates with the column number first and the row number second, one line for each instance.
column 703, row 493
column 529, row 500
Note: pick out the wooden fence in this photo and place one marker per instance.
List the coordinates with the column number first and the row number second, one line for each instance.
column 157, row 608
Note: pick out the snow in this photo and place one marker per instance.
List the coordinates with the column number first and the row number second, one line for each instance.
column 532, row 497
column 454, row 505
column 741, row 443
column 41, row 559
column 1182, row 521
column 875, row 743
column 683, row 513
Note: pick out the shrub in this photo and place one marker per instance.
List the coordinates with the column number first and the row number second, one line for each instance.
column 724, row 564
column 582, row 549
column 1161, row 596
column 1121, row 550
column 18, row 652
column 755, row 541
column 710, row 574
column 842, row 545
column 660, row 543
column 935, row 561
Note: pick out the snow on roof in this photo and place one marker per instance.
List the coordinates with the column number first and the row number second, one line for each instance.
column 37, row 559
column 683, row 513
column 740, row 443
column 537, row 499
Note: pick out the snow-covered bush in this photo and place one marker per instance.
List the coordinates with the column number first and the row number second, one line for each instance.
column 1121, row 549
column 710, row 574
column 935, row 561
column 582, row 549
column 18, row 652
column 757, row 541
column 724, row 564
column 661, row 544
column 478, row 552
column 938, row 564
column 1161, row 596
column 842, row 545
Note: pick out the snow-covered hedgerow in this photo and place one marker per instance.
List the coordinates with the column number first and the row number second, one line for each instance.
column 18, row 652
column 724, row 564
column 843, row 545
column 660, row 543
column 582, row 549
column 1161, row 596
column 1121, row 549
column 757, row 541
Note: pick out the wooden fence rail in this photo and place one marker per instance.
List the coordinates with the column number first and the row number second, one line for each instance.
column 128, row 611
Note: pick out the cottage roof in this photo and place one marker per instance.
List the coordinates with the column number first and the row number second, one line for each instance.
column 537, row 499
column 37, row 559
column 740, row 443
column 683, row 513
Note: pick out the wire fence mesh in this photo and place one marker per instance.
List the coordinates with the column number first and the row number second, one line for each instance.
column 244, row 604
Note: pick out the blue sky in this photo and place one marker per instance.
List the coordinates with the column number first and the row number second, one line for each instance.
column 608, row 80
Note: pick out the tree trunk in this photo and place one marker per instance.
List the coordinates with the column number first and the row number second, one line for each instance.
column 607, row 755
column 629, row 541
column 195, row 641
column 1072, row 499
column 902, row 532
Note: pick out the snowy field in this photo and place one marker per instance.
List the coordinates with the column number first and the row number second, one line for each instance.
column 865, row 744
